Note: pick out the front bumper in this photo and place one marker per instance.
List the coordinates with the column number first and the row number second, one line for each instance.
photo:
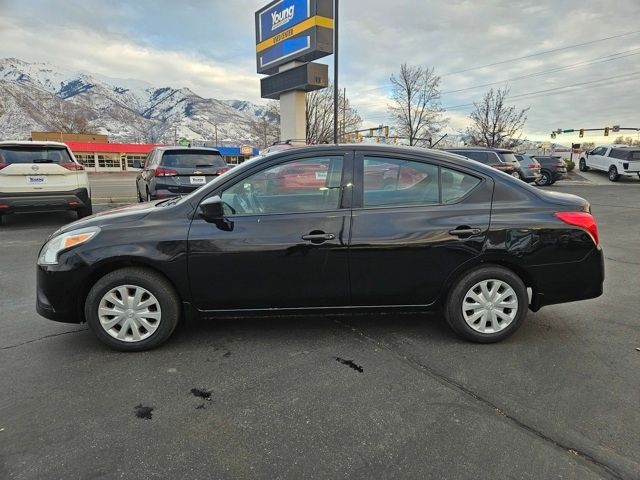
column 60, row 292
column 44, row 201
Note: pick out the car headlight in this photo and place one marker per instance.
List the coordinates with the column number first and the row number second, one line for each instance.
column 64, row 241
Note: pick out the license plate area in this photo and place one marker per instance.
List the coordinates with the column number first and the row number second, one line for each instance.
column 197, row 180
column 36, row 179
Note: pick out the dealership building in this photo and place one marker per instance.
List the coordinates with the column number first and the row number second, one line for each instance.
column 97, row 154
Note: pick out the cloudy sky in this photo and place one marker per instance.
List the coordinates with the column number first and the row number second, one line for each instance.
column 209, row 46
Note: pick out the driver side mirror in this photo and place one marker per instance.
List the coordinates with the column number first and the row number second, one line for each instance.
column 212, row 210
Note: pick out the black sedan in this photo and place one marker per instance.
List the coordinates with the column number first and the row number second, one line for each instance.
column 448, row 233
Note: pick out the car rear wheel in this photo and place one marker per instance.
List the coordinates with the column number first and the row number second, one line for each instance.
column 487, row 304
column 583, row 165
column 544, row 180
column 132, row 309
column 613, row 174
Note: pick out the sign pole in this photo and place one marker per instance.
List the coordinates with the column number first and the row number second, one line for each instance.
column 336, row 92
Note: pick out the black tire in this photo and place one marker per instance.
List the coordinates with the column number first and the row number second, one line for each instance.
column 140, row 199
column 148, row 196
column 154, row 283
column 613, row 174
column 86, row 210
column 1, row 219
column 545, row 179
column 456, row 297
column 582, row 165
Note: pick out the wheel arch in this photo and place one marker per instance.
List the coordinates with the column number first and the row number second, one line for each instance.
column 117, row 264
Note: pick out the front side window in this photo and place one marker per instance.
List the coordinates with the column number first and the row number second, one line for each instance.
column 306, row 185
column 396, row 182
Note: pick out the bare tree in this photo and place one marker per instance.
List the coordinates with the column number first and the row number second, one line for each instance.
column 71, row 119
column 266, row 129
column 319, row 116
column 494, row 123
column 627, row 141
column 415, row 105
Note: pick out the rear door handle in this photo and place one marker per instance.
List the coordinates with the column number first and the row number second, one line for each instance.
column 465, row 231
column 318, row 237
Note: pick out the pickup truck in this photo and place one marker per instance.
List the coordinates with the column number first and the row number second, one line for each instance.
column 616, row 160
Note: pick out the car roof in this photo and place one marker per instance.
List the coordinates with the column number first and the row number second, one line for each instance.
column 29, row 143
column 480, row 149
column 449, row 157
column 621, row 146
column 186, row 149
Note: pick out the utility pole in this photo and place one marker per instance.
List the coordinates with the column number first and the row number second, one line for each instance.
column 216, row 129
column 344, row 115
column 335, row 70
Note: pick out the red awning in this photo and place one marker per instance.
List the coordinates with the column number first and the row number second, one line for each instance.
column 111, row 147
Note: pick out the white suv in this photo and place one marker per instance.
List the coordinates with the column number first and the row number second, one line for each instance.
column 616, row 160
column 42, row 176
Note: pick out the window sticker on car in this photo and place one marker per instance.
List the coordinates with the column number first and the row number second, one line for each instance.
column 321, row 175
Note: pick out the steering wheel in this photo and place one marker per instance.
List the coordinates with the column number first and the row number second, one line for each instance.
column 247, row 202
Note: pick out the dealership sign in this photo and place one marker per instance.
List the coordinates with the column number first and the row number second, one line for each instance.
column 293, row 30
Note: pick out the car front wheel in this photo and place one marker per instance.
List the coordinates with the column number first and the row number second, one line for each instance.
column 583, row 165
column 132, row 309
column 487, row 304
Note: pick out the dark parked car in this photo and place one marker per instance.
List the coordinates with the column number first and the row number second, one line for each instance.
column 529, row 169
column 451, row 233
column 499, row 158
column 172, row 171
column 553, row 169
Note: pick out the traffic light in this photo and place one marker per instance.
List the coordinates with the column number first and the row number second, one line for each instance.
column 386, row 131
column 371, row 132
column 553, row 134
column 606, row 131
column 581, row 132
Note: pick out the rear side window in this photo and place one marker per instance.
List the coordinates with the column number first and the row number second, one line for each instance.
column 456, row 185
column 192, row 159
column 397, row 182
column 20, row 154
column 482, row 157
column 508, row 157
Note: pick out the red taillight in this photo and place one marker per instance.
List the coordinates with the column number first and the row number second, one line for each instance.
column 2, row 165
column 559, row 165
column 220, row 171
column 533, row 165
column 72, row 166
column 583, row 220
column 500, row 166
column 165, row 172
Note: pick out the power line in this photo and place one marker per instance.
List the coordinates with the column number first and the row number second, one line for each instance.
column 593, row 61
column 541, row 53
column 522, row 58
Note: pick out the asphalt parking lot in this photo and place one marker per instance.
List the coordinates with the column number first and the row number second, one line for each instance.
column 390, row 396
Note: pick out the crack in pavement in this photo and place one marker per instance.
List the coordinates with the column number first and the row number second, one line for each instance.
column 43, row 338
column 622, row 261
column 454, row 385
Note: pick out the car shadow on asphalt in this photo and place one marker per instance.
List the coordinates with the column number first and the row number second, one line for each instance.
column 37, row 220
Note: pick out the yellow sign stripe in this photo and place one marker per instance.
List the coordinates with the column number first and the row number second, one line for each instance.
column 311, row 22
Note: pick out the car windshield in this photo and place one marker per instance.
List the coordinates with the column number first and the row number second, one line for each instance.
column 192, row 159
column 35, row 154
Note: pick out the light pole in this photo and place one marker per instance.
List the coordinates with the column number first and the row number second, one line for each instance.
column 336, row 92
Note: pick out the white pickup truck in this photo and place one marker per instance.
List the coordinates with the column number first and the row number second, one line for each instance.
column 616, row 160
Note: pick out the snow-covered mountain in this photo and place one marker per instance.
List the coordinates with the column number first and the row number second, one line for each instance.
column 36, row 96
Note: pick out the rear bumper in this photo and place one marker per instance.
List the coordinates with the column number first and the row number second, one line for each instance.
column 568, row 282
column 44, row 201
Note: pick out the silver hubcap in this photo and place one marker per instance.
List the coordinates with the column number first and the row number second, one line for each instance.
column 129, row 313
column 490, row 306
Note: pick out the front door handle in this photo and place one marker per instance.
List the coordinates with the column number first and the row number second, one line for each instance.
column 464, row 231
column 318, row 237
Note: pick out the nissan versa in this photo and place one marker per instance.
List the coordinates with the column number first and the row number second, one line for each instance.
column 449, row 233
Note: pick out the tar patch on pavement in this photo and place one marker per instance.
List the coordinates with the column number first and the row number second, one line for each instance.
column 143, row 412
column 200, row 407
column 201, row 393
column 227, row 354
column 349, row 363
